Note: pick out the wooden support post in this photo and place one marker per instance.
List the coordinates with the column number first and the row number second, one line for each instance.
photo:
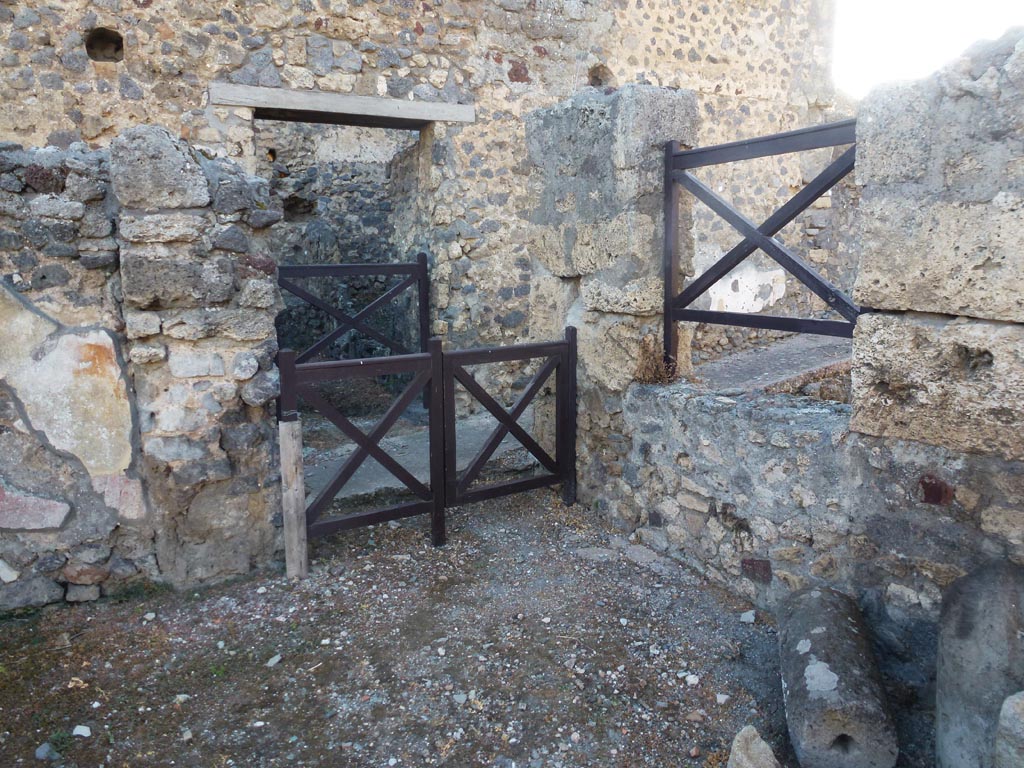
column 293, row 481
column 423, row 311
column 670, row 257
column 293, row 500
column 567, row 420
column 437, row 443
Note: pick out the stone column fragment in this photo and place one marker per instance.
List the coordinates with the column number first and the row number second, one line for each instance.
column 835, row 705
column 980, row 662
column 1010, row 734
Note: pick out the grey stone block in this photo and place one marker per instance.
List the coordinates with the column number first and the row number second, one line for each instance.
column 150, row 169
column 261, row 388
column 155, row 276
column 980, row 663
column 82, row 593
column 29, row 592
column 835, row 705
column 188, row 363
column 1010, row 734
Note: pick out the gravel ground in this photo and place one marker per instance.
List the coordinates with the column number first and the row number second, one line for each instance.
column 535, row 638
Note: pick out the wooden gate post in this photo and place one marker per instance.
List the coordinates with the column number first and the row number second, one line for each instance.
column 567, row 421
column 670, row 258
column 437, row 446
column 293, row 485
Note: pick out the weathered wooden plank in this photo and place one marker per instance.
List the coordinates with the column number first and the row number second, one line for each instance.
column 322, row 106
column 293, row 500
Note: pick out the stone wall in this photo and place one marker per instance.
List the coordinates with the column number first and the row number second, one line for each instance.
column 592, row 221
column 920, row 479
column 771, row 493
column 136, row 376
column 197, row 306
column 943, row 257
column 756, row 67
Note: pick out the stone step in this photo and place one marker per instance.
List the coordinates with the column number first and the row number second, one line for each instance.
column 791, row 361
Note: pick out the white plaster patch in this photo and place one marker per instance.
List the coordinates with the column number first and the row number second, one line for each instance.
column 818, row 631
column 7, row 573
column 803, row 646
column 748, row 289
column 76, row 395
column 819, row 678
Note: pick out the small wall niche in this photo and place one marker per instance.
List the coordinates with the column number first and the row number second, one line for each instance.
column 102, row 44
column 600, row 76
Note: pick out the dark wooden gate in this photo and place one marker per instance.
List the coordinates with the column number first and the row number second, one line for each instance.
column 413, row 274
column 678, row 167
column 435, row 374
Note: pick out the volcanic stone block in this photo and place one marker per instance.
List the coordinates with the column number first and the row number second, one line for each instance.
column 158, row 276
column 29, row 591
column 957, row 383
column 150, row 170
column 980, row 663
column 835, row 706
column 1010, row 735
column 974, row 264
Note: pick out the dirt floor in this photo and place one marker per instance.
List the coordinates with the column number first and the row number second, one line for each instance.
column 534, row 638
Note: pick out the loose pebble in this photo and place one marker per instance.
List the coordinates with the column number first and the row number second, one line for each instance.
column 274, row 660
column 84, row 731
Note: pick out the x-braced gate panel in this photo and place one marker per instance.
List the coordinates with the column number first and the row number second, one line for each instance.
column 678, row 167
column 559, row 363
column 435, row 374
column 413, row 274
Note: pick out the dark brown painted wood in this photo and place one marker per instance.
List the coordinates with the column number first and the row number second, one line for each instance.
column 816, row 137
column 670, row 258
column 435, row 373
column 754, row 237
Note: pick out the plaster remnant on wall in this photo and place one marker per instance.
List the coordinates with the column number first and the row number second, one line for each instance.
column 749, row 289
column 71, row 386
column 24, row 512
